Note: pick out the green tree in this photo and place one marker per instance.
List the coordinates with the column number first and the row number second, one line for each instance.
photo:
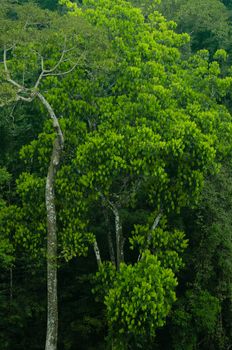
column 155, row 137
column 207, row 22
column 27, row 61
column 203, row 314
column 143, row 127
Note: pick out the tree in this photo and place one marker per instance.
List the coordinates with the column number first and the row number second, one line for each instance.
column 46, row 4
column 143, row 128
column 202, row 315
column 208, row 21
column 151, row 146
column 26, row 63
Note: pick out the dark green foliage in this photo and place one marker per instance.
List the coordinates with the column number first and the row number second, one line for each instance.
column 147, row 128
column 46, row 4
column 201, row 316
column 22, row 305
column 195, row 320
column 207, row 21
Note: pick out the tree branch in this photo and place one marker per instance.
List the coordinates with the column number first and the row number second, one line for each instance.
column 60, row 60
column 54, row 118
column 61, row 73
column 97, row 253
column 118, row 230
column 8, row 77
column 155, row 224
column 26, row 99
column 118, row 233
column 44, row 73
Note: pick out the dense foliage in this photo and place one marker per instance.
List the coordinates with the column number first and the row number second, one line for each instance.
column 143, row 184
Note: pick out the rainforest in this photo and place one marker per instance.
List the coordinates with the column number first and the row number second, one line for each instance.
column 115, row 174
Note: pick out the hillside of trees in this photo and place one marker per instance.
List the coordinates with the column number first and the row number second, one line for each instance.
column 116, row 175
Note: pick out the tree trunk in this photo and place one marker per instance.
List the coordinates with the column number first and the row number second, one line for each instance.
column 97, row 254
column 111, row 247
column 119, row 237
column 109, row 236
column 52, row 303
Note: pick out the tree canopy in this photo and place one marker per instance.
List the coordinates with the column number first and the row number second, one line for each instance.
column 116, row 139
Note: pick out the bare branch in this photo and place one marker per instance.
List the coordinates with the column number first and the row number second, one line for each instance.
column 49, row 73
column 62, row 73
column 156, row 222
column 118, row 230
column 97, row 253
column 44, row 73
column 38, row 80
column 118, row 233
column 42, row 63
column 109, row 236
column 111, row 246
column 106, row 200
column 60, row 60
column 21, row 88
column 8, row 77
column 26, row 99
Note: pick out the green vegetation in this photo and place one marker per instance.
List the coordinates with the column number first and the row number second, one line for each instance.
column 115, row 175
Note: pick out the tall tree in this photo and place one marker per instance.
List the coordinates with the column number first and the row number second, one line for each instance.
column 26, row 63
column 151, row 143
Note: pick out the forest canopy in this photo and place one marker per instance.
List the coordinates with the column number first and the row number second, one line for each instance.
column 115, row 175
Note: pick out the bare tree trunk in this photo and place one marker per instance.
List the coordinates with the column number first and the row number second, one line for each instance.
column 155, row 224
column 97, row 253
column 119, row 236
column 111, row 247
column 118, row 233
column 109, row 237
column 58, row 144
column 52, row 303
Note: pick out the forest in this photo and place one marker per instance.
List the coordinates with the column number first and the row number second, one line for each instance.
column 116, row 174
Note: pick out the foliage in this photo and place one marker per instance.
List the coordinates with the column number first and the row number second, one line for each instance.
column 210, row 21
column 207, row 21
column 196, row 316
column 156, row 137
column 6, row 248
column 139, row 299
column 147, row 129
column 201, row 315
column 167, row 246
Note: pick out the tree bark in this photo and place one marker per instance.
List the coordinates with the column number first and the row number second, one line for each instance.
column 58, row 144
column 97, row 253
column 52, row 303
column 111, row 247
column 109, row 236
column 118, row 233
column 119, row 236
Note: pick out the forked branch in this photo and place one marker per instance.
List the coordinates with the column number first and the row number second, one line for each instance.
column 32, row 92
